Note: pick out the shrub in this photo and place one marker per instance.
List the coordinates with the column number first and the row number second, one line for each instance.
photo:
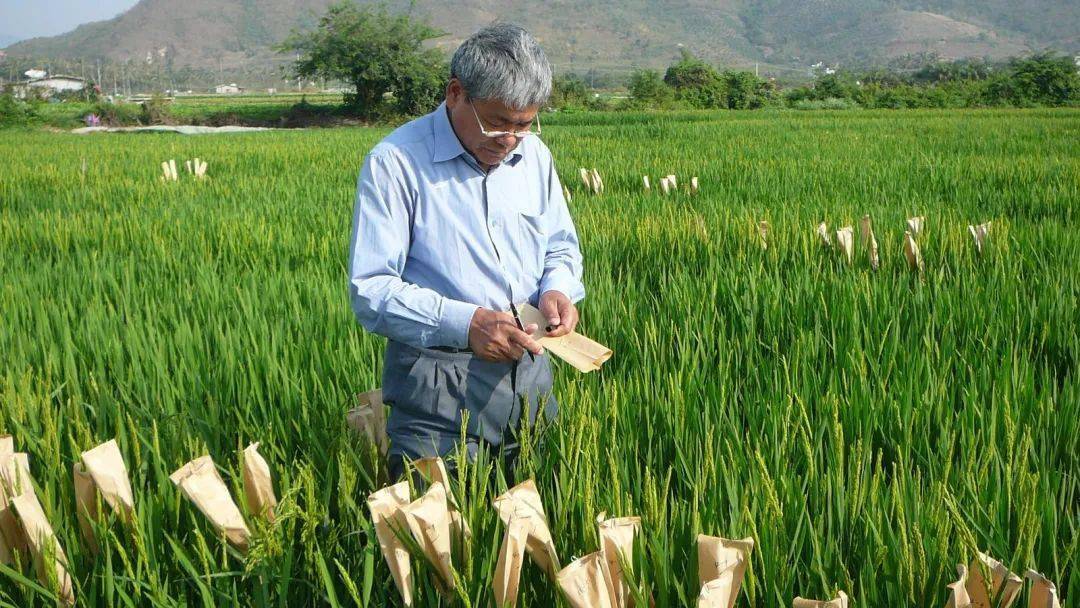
column 16, row 112
column 829, row 103
column 117, row 114
column 155, row 111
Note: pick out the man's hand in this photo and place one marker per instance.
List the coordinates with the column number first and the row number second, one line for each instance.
column 494, row 336
column 560, row 312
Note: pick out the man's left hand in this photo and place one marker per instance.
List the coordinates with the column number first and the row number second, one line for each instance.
column 560, row 312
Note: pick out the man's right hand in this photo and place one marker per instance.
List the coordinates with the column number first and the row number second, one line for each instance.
column 494, row 336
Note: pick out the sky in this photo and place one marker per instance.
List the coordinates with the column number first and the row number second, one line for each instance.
column 21, row 19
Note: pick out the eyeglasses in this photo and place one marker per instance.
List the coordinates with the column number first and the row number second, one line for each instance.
column 497, row 134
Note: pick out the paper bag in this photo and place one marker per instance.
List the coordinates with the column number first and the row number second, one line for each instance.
column 106, row 467
column 385, row 505
column 1043, row 592
column 508, row 566
column 912, row 253
column 15, row 474
column 369, row 418
column 724, row 559
column 763, row 233
column 958, row 595
column 665, row 185
column 694, row 185
column 434, row 469
column 597, row 183
column 839, row 602
column 428, row 519
column 617, row 539
column 8, row 524
column 715, row 593
column 585, row 177
column 672, row 181
column 523, row 502
column 823, row 235
column 86, row 505
column 583, row 354
column 586, row 583
column 258, row 487
column 201, row 483
column 49, row 558
column 979, row 234
column 645, row 180
column 7, row 556
column 867, row 232
column 915, row 225
column 845, row 239
column 1002, row 582
column 14, row 480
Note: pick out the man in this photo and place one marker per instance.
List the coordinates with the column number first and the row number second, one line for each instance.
column 459, row 217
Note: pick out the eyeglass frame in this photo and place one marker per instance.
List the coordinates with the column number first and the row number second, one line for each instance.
column 498, row 134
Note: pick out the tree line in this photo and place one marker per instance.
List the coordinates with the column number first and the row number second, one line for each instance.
column 391, row 70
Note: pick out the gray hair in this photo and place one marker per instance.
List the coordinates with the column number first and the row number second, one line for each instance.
column 503, row 62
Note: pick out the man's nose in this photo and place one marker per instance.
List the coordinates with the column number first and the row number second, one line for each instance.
column 507, row 141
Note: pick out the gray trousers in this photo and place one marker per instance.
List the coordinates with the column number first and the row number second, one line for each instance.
column 429, row 390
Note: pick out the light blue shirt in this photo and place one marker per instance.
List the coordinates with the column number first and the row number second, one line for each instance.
column 434, row 236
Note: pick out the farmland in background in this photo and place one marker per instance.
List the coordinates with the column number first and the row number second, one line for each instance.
column 869, row 430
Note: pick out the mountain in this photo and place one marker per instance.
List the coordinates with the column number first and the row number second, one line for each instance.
column 226, row 37
column 6, row 39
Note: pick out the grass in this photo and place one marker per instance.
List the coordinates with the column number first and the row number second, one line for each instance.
column 869, row 430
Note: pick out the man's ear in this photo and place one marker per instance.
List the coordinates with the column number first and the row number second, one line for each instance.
column 455, row 93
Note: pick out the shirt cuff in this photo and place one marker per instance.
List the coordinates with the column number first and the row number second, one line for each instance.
column 561, row 279
column 454, row 323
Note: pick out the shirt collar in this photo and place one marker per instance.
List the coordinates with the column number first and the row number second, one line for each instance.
column 448, row 146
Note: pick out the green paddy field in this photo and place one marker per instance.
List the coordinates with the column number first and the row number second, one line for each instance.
column 870, row 430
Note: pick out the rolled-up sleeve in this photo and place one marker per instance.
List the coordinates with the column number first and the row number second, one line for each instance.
column 383, row 302
column 562, row 261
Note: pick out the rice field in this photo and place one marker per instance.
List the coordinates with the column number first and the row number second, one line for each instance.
column 868, row 429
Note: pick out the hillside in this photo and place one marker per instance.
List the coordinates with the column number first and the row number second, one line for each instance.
column 223, row 37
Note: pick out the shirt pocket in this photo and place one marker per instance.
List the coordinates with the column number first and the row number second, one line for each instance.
column 532, row 241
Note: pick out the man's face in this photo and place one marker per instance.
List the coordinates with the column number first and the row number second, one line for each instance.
column 494, row 115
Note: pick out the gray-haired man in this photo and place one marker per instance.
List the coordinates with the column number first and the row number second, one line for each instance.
column 460, row 215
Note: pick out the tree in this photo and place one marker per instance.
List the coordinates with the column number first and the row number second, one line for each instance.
column 381, row 56
column 697, row 83
column 746, row 91
column 569, row 91
column 1042, row 79
column 649, row 90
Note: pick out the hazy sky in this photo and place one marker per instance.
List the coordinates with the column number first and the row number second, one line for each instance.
column 28, row 18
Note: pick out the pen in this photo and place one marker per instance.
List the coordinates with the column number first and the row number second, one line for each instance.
column 517, row 319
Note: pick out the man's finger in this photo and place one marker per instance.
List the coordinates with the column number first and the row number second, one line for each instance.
column 524, row 340
column 561, row 330
column 569, row 316
column 549, row 307
column 514, row 352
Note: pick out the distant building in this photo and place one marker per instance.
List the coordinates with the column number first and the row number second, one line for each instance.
column 57, row 83
column 228, row 89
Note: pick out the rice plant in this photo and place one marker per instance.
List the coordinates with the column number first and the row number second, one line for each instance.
column 869, row 429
